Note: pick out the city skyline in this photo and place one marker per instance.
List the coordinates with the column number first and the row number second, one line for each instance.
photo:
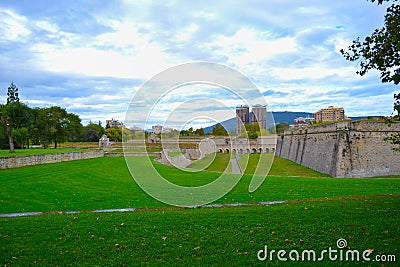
column 91, row 58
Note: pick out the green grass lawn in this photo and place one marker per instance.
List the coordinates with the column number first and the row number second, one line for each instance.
column 280, row 166
column 203, row 237
column 320, row 211
column 105, row 183
column 220, row 161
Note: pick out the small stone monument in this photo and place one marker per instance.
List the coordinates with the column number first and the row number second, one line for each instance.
column 104, row 142
column 153, row 138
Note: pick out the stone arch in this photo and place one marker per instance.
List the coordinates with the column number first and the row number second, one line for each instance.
column 266, row 150
column 254, row 151
column 234, row 151
column 221, row 151
column 260, row 150
column 241, row 151
column 248, row 151
column 227, row 150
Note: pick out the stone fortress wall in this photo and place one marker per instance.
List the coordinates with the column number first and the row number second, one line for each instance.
column 21, row 161
column 343, row 149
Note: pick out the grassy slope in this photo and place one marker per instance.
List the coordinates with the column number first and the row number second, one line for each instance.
column 202, row 237
column 219, row 164
column 105, row 183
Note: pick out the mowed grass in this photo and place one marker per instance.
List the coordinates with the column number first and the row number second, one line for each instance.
column 105, row 183
column 280, row 166
column 321, row 211
column 204, row 237
column 219, row 162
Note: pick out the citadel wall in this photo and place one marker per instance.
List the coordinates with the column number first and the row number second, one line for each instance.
column 343, row 149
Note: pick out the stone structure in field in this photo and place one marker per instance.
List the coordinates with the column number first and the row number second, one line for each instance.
column 152, row 138
column 343, row 149
column 104, row 142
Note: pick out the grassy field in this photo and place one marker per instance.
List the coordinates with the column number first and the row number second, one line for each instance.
column 203, row 237
column 219, row 164
column 319, row 211
column 105, row 183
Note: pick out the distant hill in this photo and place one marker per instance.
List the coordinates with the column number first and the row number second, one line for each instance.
column 279, row 116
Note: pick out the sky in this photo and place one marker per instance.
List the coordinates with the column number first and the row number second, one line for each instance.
column 92, row 57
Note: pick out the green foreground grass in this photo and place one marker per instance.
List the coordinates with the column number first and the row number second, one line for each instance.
column 203, row 237
column 320, row 211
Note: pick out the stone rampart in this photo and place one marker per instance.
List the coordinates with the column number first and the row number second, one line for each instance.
column 343, row 149
column 21, row 161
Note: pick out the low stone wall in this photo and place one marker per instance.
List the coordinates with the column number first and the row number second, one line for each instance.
column 21, row 161
column 133, row 154
column 343, row 149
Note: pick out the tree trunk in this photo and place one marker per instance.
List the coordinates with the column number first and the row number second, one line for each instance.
column 10, row 138
column 55, row 144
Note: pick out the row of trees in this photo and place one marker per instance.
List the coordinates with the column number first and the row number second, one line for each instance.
column 23, row 125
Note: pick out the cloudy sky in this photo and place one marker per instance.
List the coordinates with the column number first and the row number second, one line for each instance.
column 92, row 56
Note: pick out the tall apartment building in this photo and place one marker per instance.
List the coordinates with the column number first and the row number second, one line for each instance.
column 242, row 118
column 259, row 115
column 329, row 114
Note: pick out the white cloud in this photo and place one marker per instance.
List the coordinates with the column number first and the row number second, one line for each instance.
column 13, row 26
column 288, row 47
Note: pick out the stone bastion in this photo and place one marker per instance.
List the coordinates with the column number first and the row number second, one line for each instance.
column 343, row 149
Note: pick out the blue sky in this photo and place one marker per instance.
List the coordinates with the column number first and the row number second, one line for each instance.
column 92, row 56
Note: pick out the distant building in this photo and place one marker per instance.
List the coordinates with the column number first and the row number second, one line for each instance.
column 158, row 129
column 114, row 124
column 303, row 121
column 242, row 118
column 329, row 114
column 259, row 115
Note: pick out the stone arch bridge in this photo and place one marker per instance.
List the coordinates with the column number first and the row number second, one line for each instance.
column 265, row 144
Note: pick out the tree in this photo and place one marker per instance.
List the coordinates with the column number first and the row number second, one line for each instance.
column 5, row 116
column 280, row 128
column 219, row 130
column 115, row 134
column 199, row 132
column 92, row 132
column 74, row 127
column 381, row 50
column 251, row 131
column 12, row 93
column 396, row 106
column 53, row 124
column 21, row 136
column 395, row 139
